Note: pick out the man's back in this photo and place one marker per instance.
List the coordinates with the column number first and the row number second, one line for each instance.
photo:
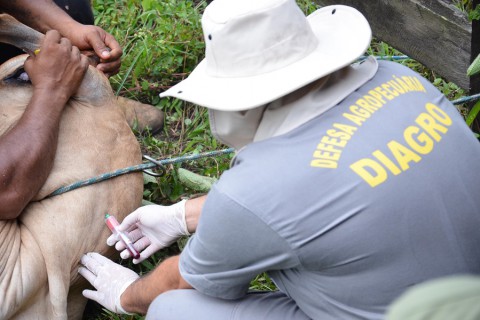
column 353, row 207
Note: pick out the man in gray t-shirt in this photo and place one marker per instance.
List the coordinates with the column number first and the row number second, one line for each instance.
column 344, row 237
column 347, row 188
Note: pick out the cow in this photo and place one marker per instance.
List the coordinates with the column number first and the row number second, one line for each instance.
column 40, row 250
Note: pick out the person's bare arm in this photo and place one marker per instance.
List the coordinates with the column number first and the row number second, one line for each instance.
column 138, row 296
column 28, row 149
column 44, row 15
column 193, row 210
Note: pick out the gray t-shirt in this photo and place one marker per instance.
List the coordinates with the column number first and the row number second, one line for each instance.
column 350, row 209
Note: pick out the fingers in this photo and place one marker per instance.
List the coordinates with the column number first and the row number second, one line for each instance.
column 134, row 235
column 83, row 60
column 145, row 254
column 110, row 68
column 57, row 45
column 93, row 262
column 139, row 244
column 93, row 295
column 139, row 260
column 99, row 46
column 101, row 260
column 142, row 243
column 90, row 263
column 112, row 240
column 58, row 68
column 53, row 45
column 52, row 36
column 120, row 246
column 109, row 51
column 108, row 278
column 125, row 254
column 115, row 49
column 87, row 274
column 130, row 221
column 76, row 53
column 66, row 43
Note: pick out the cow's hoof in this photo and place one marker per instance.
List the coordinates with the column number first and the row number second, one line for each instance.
column 141, row 116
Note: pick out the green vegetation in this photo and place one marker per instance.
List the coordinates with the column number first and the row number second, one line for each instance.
column 467, row 7
column 163, row 42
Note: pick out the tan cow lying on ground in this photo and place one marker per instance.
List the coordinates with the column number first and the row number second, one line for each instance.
column 40, row 251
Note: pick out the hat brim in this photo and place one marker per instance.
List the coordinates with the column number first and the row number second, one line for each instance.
column 344, row 35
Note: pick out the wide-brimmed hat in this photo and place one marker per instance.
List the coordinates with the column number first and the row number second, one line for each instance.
column 260, row 50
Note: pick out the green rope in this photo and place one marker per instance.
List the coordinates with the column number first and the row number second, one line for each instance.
column 466, row 99
column 137, row 168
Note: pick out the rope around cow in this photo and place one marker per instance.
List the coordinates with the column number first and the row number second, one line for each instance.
column 136, row 168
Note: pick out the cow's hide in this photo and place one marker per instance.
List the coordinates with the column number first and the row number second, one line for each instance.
column 40, row 251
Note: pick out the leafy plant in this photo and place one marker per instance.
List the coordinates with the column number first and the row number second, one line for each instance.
column 467, row 7
column 474, row 14
column 473, row 113
column 474, row 68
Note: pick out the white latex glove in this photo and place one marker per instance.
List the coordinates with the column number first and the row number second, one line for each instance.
column 151, row 228
column 110, row 280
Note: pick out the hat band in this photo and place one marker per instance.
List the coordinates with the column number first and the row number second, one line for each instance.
column 274, row 58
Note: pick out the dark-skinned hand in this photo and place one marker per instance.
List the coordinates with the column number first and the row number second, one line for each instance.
column 88, row 37
column 58, row 68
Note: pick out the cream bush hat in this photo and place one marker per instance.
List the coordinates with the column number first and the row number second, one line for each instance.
column 260, row 50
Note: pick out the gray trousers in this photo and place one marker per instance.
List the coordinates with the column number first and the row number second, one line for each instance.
column 190, row 304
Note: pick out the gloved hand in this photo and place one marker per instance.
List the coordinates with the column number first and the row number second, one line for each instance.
column 152, row 228
column 110, row 280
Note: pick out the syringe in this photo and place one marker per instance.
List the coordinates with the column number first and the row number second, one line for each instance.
column 113, row 224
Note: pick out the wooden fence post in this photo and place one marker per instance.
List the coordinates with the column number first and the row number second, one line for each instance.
column 435, row 33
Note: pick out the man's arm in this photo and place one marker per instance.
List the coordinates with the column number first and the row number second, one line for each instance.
column 138, row 296
column 44, row 15
column 28, row 149
column 193, row 210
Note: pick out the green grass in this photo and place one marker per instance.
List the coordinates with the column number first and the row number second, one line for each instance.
column 163, row 42
column 466, row 6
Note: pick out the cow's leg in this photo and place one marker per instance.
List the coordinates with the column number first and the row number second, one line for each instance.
column 140, row 115
column 65, row 227
column 23, row 273
column 76, row 303
column 36, row 309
